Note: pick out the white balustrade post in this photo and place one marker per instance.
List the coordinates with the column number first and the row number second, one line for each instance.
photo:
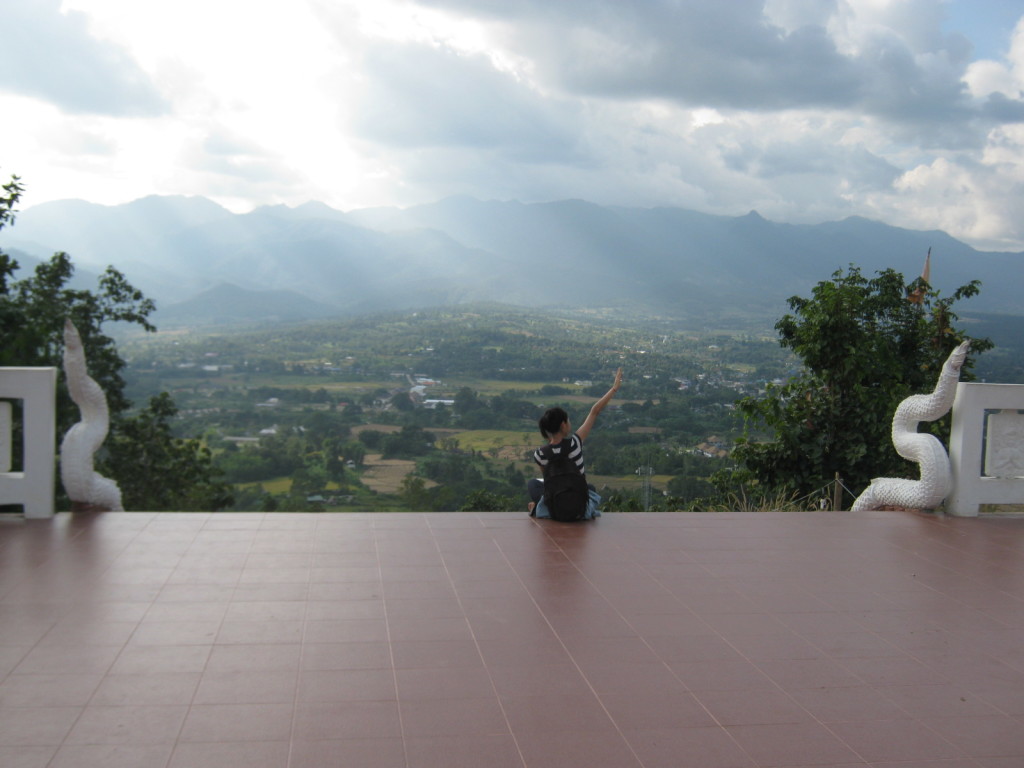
column 32, row 487
column 6, row 435
column 986, row 451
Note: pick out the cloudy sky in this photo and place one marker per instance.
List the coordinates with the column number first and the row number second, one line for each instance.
column 906, row 111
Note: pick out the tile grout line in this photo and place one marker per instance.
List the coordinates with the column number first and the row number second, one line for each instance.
column 199, row 682
column 673, row 674
column 789, row 696
column 391, row 647
column 778, row 686
column 108, row 556
column 173, row 745
column 476, row 641
column 572, row 658
column 302, row 650
column 664, row 663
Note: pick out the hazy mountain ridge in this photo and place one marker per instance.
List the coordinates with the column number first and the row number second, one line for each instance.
column 227, row 304
column 566, row 253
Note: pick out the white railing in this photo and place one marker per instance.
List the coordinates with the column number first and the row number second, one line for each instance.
column 33, row 486
column 986, row 447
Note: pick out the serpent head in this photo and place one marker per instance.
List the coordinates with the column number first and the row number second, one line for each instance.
column 71, row 335
column 958, row 355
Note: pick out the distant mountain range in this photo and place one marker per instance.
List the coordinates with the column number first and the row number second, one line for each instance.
column 204, row 264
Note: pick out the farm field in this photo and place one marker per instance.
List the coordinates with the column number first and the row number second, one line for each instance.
column 505, row 444
column 300, row 399
column 386, row 475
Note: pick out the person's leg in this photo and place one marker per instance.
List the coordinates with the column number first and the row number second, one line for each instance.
column 535, row 489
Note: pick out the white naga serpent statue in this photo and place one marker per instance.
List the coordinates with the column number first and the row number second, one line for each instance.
column 924, row 449
column 87, row 489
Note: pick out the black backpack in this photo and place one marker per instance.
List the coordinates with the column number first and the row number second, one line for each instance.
column 566, row 493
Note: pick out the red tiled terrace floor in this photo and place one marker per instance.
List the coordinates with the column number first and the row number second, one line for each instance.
column 490, row 640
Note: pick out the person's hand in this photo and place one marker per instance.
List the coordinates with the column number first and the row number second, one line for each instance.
column 618, row 380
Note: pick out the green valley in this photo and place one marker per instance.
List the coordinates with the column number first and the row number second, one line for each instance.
column 437, row 409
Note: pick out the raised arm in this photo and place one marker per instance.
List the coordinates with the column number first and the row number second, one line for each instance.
column 587, row 425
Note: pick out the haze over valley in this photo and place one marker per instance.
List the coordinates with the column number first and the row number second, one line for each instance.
column 204, row 264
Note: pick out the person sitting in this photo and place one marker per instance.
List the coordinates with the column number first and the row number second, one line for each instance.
column 563, row 493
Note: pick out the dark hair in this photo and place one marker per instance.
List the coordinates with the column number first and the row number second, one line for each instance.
column 552, row 421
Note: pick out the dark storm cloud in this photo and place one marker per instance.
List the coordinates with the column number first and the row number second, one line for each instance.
column 809, row 156
column 894, row 85
column 708, row 54
column 1003, row 109
column 49, row 55
column 425, row 96
column 729, row 55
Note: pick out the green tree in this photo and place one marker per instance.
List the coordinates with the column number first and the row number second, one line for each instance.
column 32, row 315
column 33, row 311
column 409, row 442
column 334, row 459
column 865, row 347
column 355, row 452
column 466, row 400
column 687, row 487
column 164, row 473
column 486, row 501
column 309, row 479
column 414, row 493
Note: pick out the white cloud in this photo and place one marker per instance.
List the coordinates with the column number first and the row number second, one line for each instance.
column 50, row 54
column 986, row 77
column 802, row 109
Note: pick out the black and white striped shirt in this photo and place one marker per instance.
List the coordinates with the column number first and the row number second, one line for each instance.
column 573, row 447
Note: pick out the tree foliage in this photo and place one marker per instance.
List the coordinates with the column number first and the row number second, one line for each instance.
column 33, row 311
column 865, row 347
column 486, row 501
column 166, row 474
column 151, row 466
